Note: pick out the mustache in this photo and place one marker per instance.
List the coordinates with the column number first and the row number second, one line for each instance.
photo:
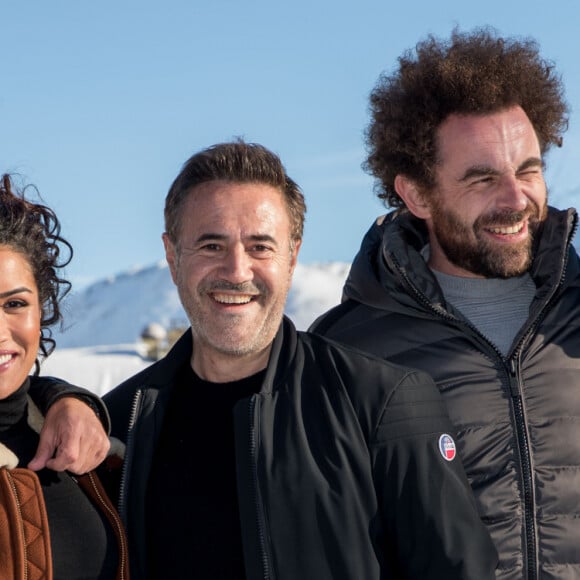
column 508, row 217
column 225, row 286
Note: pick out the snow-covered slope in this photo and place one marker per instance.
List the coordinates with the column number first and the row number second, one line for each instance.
column 116, row 310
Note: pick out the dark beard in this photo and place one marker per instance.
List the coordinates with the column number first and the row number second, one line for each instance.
column 483, row 257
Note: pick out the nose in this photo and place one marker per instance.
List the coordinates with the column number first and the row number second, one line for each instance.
column 512, row 194
column 237, row 265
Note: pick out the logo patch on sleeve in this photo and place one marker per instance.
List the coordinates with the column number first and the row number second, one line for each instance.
column 447, row 447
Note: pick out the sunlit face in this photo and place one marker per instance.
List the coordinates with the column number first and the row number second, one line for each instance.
column 233, row 267
column 19, row 320
column 489, row 197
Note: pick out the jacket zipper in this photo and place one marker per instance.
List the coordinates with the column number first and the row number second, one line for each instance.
column 521, row 431
column 125, row 468
column 114, row 520
column 19, row 507
column 526, row 474
column 260, row 523
column 517, row 405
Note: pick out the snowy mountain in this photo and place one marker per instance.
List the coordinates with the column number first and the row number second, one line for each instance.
column 100, row 345
column 116, row 310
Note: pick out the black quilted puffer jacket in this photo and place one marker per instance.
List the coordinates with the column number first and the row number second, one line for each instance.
column 517, row 416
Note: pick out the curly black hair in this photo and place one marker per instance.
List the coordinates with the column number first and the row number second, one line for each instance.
column 33, row 230
column 471, row 73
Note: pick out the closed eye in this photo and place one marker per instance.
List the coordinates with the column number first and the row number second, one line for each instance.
column 479, row 174
column 532, row 172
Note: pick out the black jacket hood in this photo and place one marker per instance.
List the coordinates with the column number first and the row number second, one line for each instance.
column 389, row 272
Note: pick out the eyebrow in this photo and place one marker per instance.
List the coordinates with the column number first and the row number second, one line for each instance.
column 487, row 171
column 15, row 291
column 256, row 238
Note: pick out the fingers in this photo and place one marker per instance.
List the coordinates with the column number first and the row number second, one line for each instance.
column 71, row 439
column 43, row 454
column 80, row 460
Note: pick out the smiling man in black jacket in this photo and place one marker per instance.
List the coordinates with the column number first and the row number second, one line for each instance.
column 255, row 451
column 474, row 280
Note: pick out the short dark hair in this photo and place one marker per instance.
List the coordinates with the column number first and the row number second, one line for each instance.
column 33, row 230
column 237, row 162
column 472, row 73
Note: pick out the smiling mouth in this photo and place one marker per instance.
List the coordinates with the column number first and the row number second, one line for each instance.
column 5, row 358
column 233, row 298
column 506, row 230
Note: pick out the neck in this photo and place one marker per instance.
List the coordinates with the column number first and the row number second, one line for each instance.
column 217, row 367
column 13, row 407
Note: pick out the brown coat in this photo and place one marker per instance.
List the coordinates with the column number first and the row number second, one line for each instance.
column 25, row 552
column 24, row 536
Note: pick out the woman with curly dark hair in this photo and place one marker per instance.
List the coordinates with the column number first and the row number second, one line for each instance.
column 53, row 524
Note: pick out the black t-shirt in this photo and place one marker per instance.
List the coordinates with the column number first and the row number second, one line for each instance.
column 192, row 516
column 82, row 541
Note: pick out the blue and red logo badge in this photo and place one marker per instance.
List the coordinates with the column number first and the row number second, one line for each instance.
column 447, row 447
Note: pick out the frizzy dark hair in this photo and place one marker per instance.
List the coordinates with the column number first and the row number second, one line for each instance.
column 33, row 230
column 472, row 73
column 237, row 162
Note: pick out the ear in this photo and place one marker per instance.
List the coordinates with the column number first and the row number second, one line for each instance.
column 294, row 256
column 411, row 194
column 170, row 256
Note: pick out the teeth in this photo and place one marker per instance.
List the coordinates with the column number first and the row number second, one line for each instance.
column 4, row 358
column 232, row 298
column 507, row 230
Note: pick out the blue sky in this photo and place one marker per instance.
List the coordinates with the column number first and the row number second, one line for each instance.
column 101, row 103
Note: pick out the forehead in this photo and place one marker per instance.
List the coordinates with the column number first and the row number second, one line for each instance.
column 14, row 266
column 507, row 136
column 247, row 207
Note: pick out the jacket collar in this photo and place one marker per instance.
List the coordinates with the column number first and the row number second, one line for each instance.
column 35, row 421
column 281, row 356
column 389, row 262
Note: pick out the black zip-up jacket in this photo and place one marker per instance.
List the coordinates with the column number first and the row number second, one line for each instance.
column 517, row 416
column 340, row 476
